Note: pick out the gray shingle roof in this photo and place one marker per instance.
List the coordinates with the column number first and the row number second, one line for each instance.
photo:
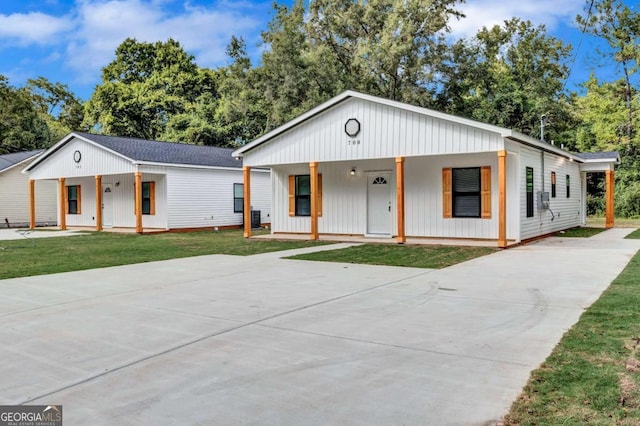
column 610, row 155
column 166, row 152
column 9, row 160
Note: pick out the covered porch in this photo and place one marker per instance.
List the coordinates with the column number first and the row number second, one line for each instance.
column 129, row 201
column 415, row 205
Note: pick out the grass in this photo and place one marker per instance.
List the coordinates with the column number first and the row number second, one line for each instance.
column 580, row 232
column 37, row 256
column 400, row 255
column 635, row 235
column 619, row 222
column 593, row 375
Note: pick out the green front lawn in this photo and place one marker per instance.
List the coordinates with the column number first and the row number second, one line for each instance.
column 400, row 255
column 37, row 256
column 592, row 377
column 635, row 235
column 580, row 232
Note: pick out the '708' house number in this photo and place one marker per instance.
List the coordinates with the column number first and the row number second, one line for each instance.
column 353, row 142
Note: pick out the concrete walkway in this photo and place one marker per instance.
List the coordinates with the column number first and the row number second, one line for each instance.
column 24, row 233
column 262, row 340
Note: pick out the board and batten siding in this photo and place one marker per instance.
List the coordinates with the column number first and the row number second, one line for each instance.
column 566, row 211
column 94, row 161
column 344, row 198
column 14, row 199
column 204, row 197
column 386, row 132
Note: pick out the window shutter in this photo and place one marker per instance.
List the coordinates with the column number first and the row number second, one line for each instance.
column 66, row 200
column 292, row 195
column 485, row 192
column 447, row 196
column 152, row 195
column 79, row 200
column 319, row 195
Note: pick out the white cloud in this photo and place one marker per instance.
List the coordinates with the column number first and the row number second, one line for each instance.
column 32, row 28
column 103, row 25
column 488, row 13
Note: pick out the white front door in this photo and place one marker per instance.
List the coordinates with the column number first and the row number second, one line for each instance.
column 379, row 203
column 107, row 205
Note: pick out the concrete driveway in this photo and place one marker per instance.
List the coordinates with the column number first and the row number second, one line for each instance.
column 22, row 233
column 262, row 340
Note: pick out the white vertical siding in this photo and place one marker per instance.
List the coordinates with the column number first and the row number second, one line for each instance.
column 566, row 211
column 204, row 197
column 94, row 161
column 385, row 132
column 345, row 198
column 14, row 199
column 423, row 198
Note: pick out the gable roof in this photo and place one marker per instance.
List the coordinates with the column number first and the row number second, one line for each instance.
column 143, row 151
column 7, row 161
column 349, row 94
column 600, row 156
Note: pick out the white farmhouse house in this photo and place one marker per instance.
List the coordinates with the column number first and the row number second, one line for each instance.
column 366, row 166
column 14, row 193
column 114, row 182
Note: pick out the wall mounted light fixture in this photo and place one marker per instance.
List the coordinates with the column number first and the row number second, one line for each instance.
column 353, row 171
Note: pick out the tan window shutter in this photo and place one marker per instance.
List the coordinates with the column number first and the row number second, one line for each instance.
column 319, row 195
column 79, row 200
column 447, row 194
column 292, row 195
column 152, row 195
column 485, row 192
column 66, row 200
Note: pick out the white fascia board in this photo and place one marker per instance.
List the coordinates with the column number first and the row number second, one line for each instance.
column 19, row 163
column 62, row 143
column 192, row 166
column 503, row 132
column 535, row 143
column 351, row 94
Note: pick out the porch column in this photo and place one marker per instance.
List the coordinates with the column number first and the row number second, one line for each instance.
column 32, row 204
column 313, row 171
column 246, row 210
column 62, row 207
column 609, row 180
column 400, row 199
column 138, row 201
column 98, row 203
column 502, row 199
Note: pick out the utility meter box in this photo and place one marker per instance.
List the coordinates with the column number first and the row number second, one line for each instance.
column 543, row 200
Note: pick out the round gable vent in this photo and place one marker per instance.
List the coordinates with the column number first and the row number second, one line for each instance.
column 352, row 127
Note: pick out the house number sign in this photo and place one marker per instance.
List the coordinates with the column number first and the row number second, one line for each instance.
column 352, row 129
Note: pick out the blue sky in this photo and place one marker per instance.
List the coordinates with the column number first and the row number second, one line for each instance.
column 71, row 40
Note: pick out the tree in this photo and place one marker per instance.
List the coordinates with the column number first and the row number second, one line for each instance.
column 619, row 26
column 21, row 127
column 57, row 105
column 153, row 91
column 509, row 75
column 389, row 48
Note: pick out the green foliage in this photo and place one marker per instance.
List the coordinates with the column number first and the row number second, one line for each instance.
column 155, row 91
column 57, row 105
column 103, row 249
column 627, row 202
column 394, row 255
column 510, row 76
column 585, row 381
column 580, row 232
column 22, row 128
